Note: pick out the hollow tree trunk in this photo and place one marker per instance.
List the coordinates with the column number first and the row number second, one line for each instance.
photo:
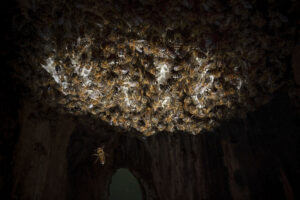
column 253, row 158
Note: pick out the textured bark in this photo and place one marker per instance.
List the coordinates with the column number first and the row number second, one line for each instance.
column 253, row 158
column 40, row 159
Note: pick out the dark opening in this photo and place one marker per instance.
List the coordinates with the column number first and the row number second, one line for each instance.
column 124, row 186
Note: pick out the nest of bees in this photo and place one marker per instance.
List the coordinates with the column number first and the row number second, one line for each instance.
column 154, row 65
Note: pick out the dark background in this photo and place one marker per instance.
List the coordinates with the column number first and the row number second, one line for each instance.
column 47, row 155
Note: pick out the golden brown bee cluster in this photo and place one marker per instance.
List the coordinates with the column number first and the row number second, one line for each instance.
column 151, row 66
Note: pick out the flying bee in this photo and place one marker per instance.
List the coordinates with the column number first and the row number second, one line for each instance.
column 100, row 154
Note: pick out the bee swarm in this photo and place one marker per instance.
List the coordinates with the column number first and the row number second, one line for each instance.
column 153, row 66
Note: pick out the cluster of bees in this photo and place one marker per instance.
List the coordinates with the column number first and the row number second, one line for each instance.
column 180, row 66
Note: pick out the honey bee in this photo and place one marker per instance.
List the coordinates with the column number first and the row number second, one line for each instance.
column 151, row 50
column 100, row 154
column 154, row 120
column 213, row 96
column 155, row 105
column 169, row 118
column 149, row 133
column 177, row 41
column 113, row 37
column 193, row 110
column 152, row 89
column 146, row 81
column 95, row 111
column 62, row 101
column 187, row 102
column 103, row 117
column 187, row 120
column 143, row 129
column 178, row 68
column 105, row 64
column 139, row 107
column 218, row 85
column 189, row 89
column 215, row 73
column 177, row 76
column 170, row 127
column 117, row 70
column 126, row 59
column 152, row 71
column 114, row 118
column 229, row 92
column 180, row 127
column 147, row 50
column 231, row 77
column 71, row 105
column 161, row 127
column 166, row 88
column 136, row 45
column 135, row 119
